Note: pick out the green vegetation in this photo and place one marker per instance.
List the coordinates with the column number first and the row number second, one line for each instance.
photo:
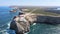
column 41, row 11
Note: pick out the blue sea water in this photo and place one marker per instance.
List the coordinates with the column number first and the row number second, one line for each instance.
column 6, row 17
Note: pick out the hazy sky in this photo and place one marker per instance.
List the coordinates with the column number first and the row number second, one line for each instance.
column 30, row 2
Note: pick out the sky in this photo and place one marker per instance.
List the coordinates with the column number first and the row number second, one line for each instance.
column 30, row 2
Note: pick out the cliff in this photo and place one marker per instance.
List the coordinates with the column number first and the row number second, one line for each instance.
column 48, row 19
column 19, row 27
column 33, row 18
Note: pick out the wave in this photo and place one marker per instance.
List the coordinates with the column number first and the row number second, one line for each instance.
column 34, row 24
column 7, row 30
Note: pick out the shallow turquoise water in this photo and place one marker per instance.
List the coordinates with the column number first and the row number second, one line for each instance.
column 45, row 29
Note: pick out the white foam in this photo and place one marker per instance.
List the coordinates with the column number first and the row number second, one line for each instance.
column 8, row 25
column 5, row 31
column 34, row 23
column 26, row 33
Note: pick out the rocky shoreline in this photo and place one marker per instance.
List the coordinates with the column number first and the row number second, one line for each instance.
column 33, row 18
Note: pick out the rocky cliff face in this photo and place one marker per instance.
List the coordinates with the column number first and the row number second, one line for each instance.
column 48, row 19
column 44, row 19
column 19, row 27
column 33, row 19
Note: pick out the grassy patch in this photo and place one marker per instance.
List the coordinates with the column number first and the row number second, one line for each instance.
column 40, row 11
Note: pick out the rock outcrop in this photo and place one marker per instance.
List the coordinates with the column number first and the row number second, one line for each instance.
column 19, row 27
column 22, row 27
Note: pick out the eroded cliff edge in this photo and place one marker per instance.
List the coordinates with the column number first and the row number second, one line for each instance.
column 48, row 19
column 33, row 18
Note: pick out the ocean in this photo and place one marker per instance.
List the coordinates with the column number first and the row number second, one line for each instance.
column 6, row 17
